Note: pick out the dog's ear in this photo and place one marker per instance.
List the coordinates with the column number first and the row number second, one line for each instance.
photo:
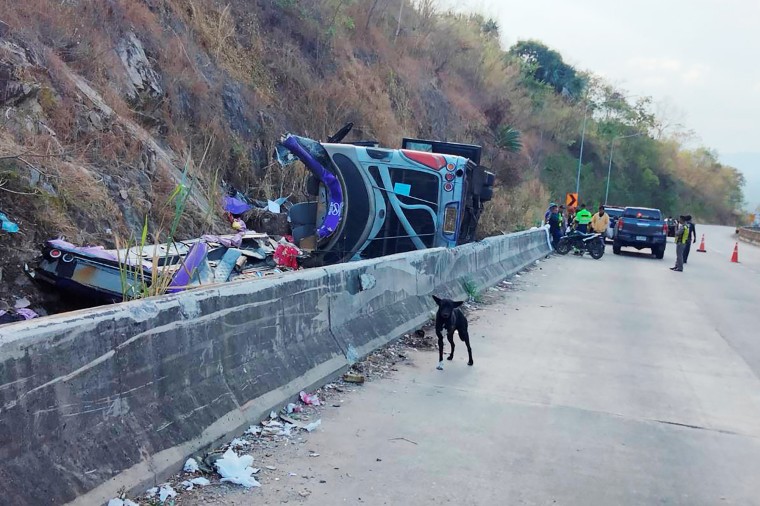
column 457, row 304
column 437, row 300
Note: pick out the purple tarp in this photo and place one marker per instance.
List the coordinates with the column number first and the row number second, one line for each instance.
column 236, row 206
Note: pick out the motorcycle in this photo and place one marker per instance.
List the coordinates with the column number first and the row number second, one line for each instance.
column 593, row 243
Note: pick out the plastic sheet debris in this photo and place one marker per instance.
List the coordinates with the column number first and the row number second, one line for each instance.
column 308, row 427
column 191, row 466
column 292, row 408
column 238, row 443
column 121, row 502
column 237, row 469
column 275, row 206
column 253, row 430
column 190, row 484
column 165, row 492
column 309, row 399
column 22, row 303
column 7, row 225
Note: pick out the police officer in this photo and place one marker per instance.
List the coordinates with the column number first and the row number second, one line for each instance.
column 692, row 238
column 682, row 237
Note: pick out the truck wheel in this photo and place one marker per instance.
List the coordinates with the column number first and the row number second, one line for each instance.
column 616, row 248
column 659, row 252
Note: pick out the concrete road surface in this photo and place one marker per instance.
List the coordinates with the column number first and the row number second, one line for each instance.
column 603, row 382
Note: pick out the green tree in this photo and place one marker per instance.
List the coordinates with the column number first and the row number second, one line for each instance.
column 547, row 66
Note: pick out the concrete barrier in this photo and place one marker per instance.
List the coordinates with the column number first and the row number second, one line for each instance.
column 119, row 396
column 750, row 235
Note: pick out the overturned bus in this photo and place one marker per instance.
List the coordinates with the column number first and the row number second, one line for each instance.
column 372, row 201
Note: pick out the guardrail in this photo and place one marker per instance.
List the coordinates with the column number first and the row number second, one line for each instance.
column 750, row 234
column 118, row 396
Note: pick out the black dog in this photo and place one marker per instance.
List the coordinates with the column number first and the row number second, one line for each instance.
column 451, row 318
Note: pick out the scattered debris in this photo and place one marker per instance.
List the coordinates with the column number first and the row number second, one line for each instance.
column 121, row 502
column 191, row 466
column 190, row 484
column 6, row 225
column 16, row 315
column 22, row 303
column 309, row 399
column 237, row 469
column 238, row 443
column 166, row 492
column 293, row 420
column 402, row 439
column 180, row 265
column 352, row 377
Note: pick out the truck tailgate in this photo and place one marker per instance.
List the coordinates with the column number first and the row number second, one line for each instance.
column 642, row 227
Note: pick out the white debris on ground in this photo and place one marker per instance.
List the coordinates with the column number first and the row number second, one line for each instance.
column 165, row 492
column 237, row 469
column 233, row 463
column 121, row 502
column 190, row 484
column 191, row 466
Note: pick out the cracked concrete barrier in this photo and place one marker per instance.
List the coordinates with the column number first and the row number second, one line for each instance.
column 119, row 396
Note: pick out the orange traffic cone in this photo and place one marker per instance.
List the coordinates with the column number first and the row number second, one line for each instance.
column 702, row 245
column 735, row 256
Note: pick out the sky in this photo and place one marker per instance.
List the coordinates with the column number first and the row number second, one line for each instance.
column 698, row 60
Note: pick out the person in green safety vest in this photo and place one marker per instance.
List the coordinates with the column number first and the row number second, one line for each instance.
column 582, row 219
column 682, row 237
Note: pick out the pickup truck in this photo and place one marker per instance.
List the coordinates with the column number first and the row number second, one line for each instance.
column 641, row 227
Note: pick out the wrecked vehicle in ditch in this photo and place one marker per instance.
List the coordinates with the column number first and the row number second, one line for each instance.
column 372, row 201
column 368, row 202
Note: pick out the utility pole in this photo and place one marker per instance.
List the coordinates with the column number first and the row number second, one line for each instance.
column 609, row 167
column 580, row 157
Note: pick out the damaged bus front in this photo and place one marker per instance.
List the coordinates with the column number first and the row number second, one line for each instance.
column 372, row 201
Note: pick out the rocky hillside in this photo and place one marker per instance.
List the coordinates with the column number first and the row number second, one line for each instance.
column 108, row 106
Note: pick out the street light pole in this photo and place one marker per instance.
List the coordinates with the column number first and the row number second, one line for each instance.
column 580, row 156
column 609, row 167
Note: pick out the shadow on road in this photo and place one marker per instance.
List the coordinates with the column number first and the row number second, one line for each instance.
column 633, row 253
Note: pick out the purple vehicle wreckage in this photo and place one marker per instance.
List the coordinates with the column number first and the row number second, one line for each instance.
column 367, row 201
